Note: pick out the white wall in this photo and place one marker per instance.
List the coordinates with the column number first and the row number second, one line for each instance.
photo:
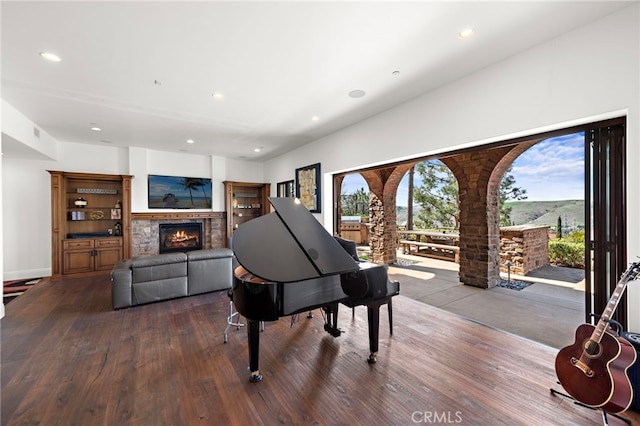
column 26, row 194
column 27, row 198
column 554, row 85
column 143, row 162
column 26, row 219
column 588, row 74
column 20, row 128
column 1, row 226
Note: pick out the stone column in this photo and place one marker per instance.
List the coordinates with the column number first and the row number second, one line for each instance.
column 479, row 175
column 383, row 187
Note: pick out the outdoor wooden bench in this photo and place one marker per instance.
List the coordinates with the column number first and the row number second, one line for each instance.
column 439, row 251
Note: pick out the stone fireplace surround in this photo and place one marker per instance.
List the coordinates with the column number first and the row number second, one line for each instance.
column 145, row 229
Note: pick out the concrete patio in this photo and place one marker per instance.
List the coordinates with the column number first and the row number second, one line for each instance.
column 548, row 311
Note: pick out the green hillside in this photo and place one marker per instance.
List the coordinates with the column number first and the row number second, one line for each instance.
column 532, row 212
column 547, row 212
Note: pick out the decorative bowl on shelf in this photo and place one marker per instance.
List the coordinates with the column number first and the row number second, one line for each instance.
column 80, row 202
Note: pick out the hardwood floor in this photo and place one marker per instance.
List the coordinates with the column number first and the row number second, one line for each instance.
column 69, row 359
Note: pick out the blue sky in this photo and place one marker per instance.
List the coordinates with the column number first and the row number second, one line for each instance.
column 550, row 170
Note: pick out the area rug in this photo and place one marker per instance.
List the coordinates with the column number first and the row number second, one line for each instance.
column 14, row 288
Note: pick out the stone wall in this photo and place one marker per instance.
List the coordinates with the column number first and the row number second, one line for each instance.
column 378, row 230
column 525, row 247
column 145, row 238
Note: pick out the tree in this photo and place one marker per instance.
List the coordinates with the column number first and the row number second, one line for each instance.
column 200, row 183
column 437, row 196
column 559, row 228
column 190, row 184
column 356, row 204
column 508, row 191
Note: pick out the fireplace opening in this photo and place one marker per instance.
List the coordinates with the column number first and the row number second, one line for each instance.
column 180, row 237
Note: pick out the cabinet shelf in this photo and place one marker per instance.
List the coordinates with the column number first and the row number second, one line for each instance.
column 102, row 194
column 245, row 201
column 92, row 220
column 91, row 239
column 85, row 209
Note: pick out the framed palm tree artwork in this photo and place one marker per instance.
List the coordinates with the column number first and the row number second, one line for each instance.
column 175, row 192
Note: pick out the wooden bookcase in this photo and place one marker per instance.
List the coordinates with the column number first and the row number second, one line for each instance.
column 90, row 239
column 245, row 201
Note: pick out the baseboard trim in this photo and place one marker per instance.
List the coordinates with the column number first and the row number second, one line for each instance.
column 26, row 274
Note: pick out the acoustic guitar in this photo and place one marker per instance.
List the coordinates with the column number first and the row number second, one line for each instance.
column 593, row 370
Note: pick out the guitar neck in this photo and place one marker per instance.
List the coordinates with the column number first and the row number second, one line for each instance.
column 630, row 274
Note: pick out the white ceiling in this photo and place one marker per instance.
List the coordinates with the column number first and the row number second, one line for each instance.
column 277, row 64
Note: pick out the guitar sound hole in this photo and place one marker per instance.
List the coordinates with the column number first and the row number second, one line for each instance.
column 592, row 348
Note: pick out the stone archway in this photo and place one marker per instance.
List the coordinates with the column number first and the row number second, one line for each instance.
column 479, row 175
column 383, row 187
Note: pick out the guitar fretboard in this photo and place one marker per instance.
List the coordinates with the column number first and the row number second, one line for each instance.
column 630, row 274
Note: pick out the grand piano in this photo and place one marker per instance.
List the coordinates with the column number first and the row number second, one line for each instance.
column 290, row 264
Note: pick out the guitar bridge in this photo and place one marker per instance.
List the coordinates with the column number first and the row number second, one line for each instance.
column 582, row 367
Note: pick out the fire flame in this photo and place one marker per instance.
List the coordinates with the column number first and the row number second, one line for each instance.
column 180, row 236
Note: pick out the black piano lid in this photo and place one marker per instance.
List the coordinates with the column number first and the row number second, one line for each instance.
column 289, row 245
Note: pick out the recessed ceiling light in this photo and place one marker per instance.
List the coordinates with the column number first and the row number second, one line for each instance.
column 50, row 56
column 466, row 33
column 315, row 118
column 95, row 127
column 217, row 95
column 257, row 149
column 190, row 141
column 357, row 93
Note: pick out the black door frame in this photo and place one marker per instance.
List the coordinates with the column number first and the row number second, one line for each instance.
column 605, row 216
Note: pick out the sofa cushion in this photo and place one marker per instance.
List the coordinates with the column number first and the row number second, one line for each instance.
column 161, row 289
column 209, row 270
column 159, row 267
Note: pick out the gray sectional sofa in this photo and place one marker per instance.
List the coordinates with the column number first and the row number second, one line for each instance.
column 167, row 276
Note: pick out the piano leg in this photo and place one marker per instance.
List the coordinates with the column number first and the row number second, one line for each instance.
column 373, row 318
column 253, row 331
column 390, row 310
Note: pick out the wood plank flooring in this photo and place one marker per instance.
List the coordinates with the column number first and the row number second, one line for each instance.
column 69, row 359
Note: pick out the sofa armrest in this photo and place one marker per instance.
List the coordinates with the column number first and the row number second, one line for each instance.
column 121, row 284
column 209, row 270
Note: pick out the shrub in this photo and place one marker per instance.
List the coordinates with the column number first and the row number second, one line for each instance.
column 576, row 236
column 566, row 252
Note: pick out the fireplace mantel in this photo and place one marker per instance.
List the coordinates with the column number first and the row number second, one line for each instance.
column 177, row 215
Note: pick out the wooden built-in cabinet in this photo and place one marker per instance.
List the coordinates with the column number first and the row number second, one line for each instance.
column 245, row 201
column 90, row 222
